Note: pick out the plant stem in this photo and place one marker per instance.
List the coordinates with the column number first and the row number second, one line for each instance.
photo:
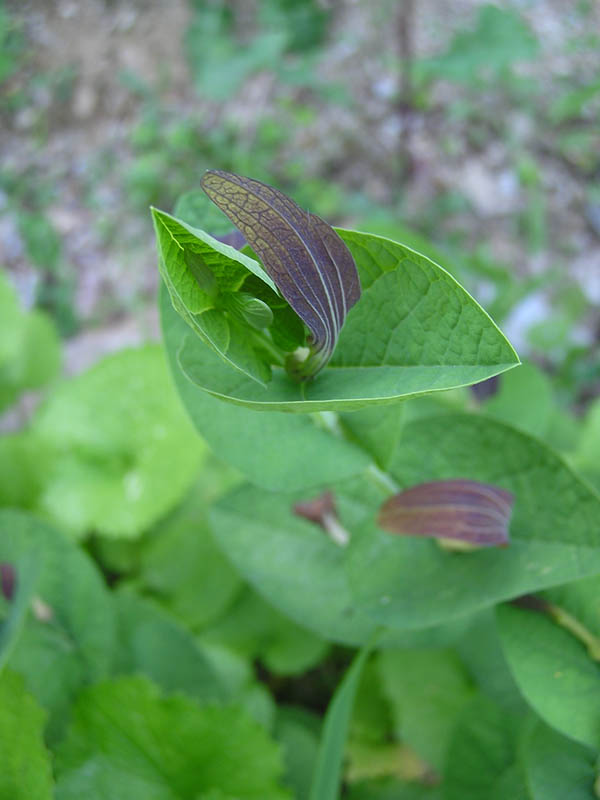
column 572, row 624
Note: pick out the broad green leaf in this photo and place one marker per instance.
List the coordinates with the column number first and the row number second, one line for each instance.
column 123, row 451
column 482, row 749
column 127, row 741
column 557, row 767
column 554, row 672
column 407, row 582
column 25, row 571
column 255, row 629
column 290, row 561
column 68, row 638
column 414, row 330
column 299, row 569
column 427, row 690
column 180, row 563
column 26, row 769
column 328, row 768
column 151, row 643
column 277, row 455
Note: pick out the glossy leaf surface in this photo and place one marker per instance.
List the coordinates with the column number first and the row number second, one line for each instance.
column 414, row 330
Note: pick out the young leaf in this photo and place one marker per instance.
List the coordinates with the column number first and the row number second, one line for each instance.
column 462, row 510
column 309, row 263
column 198, row 270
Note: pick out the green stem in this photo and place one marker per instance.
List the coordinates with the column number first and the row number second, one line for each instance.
column 572, row 624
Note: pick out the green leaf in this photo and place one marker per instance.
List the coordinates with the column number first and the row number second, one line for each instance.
column 414, row 330
column 376, row 429
column 26, row 771
column 197, row 269
column 513, row 403
column 151, row 643
column 25, row 571
column 290, row 561
column 427, row 690
column 24, row 464
column 554, row 672
column 328, row 768
column 480, row 650
column 257, row 630
column 180, row 562
column 123, row 451
column 408, row 583
column 586, row 457
column 557, row 767
column 68, row 639
column 299, row 569
column 483, row 747
column 298, row 732
column 280, row 455
column 127, row 742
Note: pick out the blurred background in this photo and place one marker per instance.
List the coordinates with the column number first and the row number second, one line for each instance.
column 468, row 130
